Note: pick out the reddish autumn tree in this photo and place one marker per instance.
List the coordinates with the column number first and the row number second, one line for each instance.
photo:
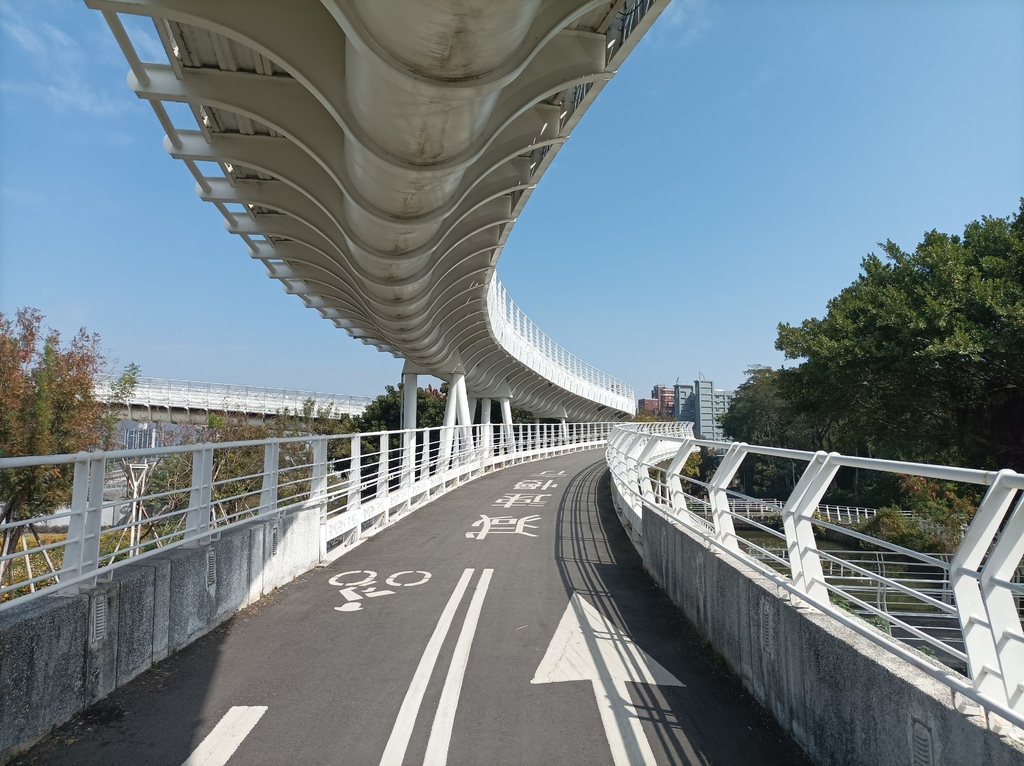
column 47, row 407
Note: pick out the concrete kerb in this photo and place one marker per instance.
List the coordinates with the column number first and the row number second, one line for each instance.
column 844, row 699
column 62, row 652
column 42, row 668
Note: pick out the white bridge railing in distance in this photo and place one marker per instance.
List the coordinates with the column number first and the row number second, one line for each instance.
column 171, row 394
column 962, row 609
column 520, row 337
column 358, row 483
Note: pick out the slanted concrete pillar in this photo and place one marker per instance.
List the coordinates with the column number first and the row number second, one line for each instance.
column 451, row 410
column 464, row 419
column 508, row 432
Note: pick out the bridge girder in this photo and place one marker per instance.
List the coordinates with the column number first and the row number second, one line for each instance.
column 375, row 156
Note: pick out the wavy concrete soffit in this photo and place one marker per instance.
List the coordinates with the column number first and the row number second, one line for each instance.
column 374, row 156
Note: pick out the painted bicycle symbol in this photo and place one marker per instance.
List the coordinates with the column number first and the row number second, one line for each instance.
column 361, row 584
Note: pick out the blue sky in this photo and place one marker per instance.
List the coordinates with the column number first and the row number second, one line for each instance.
column 731, row 177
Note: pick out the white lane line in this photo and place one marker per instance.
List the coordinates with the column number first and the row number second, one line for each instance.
column 221, row 743
column 394, row 753
column 444, row 718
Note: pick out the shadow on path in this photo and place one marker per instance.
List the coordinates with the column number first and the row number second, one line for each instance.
column 710, row 719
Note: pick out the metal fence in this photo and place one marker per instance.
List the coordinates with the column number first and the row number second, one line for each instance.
column 188, row 494
column 961, row 609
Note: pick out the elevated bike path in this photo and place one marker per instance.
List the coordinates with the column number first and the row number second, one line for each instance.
column 510, row 622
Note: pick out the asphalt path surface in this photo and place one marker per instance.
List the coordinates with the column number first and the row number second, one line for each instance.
column 467, row 633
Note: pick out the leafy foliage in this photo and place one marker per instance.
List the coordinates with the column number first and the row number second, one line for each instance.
column 922, row 357
column 46, row 408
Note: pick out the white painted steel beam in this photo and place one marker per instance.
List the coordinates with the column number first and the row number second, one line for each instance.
column 375, row 155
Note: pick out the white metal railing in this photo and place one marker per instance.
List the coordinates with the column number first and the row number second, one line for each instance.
column 357, row 482
column 518, row 335
column 168, row 393
column 963, row 609
column 768, row 508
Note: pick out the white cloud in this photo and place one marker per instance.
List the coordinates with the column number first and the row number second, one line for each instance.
column 60, row 67
column 683, row 22
column 14, row 194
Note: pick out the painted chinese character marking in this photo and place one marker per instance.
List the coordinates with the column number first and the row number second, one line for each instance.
column 550, row 473
column 508, row 525
column 535, row 484
column 514, row 499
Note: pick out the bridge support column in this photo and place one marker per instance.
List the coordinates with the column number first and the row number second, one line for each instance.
column 508, row 436
column 409, row 394
column 464, row 418
column 485, row 423
column 456, row 416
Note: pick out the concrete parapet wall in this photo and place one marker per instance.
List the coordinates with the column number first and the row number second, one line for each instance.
column 845, row 700
column 63, row 652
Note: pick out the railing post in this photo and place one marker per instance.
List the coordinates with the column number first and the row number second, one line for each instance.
column 82, row 551
column 408, row 457
column 355, row 476
column 718, row 498
column 996, row 588
column 318, row 488
column 271, row 464
column 383, row 468
column 200, row 496
column 676, row 495
column 979, row 613
column 797, row 515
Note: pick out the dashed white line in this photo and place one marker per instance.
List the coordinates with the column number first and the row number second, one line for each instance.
column 221, row 743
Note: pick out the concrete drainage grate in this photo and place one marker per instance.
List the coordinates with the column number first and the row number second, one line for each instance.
column 211, row 567
column 274, row 534
column 700, row 575
column 923, row 755
column 767, row 627
column 98, row 630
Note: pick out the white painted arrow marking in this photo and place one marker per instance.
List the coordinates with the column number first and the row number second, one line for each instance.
column 587, row 647
column 221, row 743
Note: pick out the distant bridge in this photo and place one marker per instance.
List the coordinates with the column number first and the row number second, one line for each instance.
column 165, row 400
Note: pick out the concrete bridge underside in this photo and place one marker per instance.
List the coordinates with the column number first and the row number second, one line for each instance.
column 374, row 155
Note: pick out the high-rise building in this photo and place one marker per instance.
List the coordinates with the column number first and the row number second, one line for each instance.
column 702, row 404
column 666, row 398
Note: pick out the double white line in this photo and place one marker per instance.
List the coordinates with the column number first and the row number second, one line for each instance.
column 444, row 718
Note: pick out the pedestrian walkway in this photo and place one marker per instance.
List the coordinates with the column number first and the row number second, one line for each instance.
column 509, row 623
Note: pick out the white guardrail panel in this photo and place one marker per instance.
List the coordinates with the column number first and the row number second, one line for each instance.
column 185, row 494
column 520, row 337
column 168, row 393
column 964, row 609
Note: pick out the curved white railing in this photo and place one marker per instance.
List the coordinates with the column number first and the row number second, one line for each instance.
column 520, row 337
column 963, row 609
column 184, row 494
column 168, row 393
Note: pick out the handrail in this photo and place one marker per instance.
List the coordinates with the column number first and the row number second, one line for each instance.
column 524, row 340
column 227, row 397
column 968, row 613
column 187, row 494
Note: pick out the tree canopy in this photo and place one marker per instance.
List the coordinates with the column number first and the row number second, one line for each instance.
column 922, row 357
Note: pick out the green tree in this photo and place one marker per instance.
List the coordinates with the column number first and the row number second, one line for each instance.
column 47, row 407
column 385, row 412
column 922, row 357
